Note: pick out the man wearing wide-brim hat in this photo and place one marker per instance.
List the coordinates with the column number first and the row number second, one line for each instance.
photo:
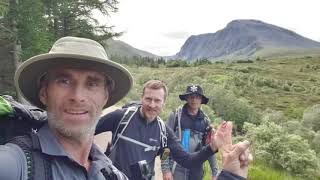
column 73, row 82
column 191, row 125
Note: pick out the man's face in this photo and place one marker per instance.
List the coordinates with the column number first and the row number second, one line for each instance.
column 152, row 103
column 194, row 101
column 74, row 99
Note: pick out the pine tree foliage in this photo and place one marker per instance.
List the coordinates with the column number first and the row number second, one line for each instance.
column 40, row 22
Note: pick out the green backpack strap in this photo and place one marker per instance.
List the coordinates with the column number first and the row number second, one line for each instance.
column 5, row 108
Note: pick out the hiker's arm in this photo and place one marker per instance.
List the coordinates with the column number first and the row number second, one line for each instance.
column 12, row 163
column 226, row 175
column 166, row 165
column 213, row 165
column 109, row 122
column 187, row 160
column 220, row 138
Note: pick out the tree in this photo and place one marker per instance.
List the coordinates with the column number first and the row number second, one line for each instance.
column 75, row 17
column 36, row 24
column 30, row 27
column 4, row 6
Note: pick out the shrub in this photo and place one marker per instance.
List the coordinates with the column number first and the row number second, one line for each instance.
column 311, row 117
column 298, row 88
column 259, row 82
column 244, row 61
column 177, row 63
column 282, row 149
column 232, row 108
column 286, row 87
column 315, row 144
column 273, row 116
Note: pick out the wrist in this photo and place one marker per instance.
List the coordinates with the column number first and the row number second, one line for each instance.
column 214, row 148
column 231, row 175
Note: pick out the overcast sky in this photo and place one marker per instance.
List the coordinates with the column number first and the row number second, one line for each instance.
column 162, row 26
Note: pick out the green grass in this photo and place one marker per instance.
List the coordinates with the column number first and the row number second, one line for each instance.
column 258, row 171
column 277, row 84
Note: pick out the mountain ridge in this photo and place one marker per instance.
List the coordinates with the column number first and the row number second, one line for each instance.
column 240, row 39
column 243, row 39
column 120, row 48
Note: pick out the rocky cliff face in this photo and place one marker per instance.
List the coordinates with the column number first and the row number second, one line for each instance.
column 243, row 39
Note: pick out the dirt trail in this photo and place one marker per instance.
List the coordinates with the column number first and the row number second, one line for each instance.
column 102, row 140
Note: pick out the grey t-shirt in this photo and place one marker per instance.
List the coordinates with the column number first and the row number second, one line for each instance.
column 13, row 164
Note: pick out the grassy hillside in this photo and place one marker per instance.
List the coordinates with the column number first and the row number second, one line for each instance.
column 273, row 95
column 288, row 85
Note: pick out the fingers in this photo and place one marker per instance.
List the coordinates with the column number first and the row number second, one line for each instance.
column 225, row 131
column 240, row 148
column 245, row 158
column 167, row 176
column 244, row 155
column 223, row 136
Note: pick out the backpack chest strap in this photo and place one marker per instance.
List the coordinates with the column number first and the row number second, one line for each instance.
column 147, row 146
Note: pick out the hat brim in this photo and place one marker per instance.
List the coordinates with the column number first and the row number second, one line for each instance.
column 204, row 100
column 29, row 73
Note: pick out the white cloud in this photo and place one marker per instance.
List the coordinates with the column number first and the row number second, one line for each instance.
column 176, row 35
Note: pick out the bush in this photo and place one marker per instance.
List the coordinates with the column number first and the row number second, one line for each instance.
column 273, row 116
column 244, row 61
column 298, row 88
column 177, row 63
column 315, row 144
column 231, row 108
column 311, row 117
column 286, row 87
column 200, row 62
column 281, row 149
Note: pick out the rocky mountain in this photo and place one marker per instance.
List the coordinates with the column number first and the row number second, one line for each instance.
column 120, row 48
column 247, row 39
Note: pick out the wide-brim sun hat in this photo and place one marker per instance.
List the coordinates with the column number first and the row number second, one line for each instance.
column 194, row 89
column 71, row 52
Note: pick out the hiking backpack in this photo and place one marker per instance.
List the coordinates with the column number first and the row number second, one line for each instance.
column 131, row 109
column 177, row 124
column 17, row 119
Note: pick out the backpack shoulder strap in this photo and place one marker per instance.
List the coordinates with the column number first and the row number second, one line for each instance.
column 123, row 124
column 163, row 133
column 38, row 164
column 206, row 118
column 177, row 122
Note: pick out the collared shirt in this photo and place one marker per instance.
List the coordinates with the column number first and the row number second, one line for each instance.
column 63, row 165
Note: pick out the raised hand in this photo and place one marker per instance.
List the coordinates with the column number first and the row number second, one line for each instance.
column 222, row 138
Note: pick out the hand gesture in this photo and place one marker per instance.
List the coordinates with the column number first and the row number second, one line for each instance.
column 222, row 138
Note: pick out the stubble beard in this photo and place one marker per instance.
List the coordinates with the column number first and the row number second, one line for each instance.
column 78, row 133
